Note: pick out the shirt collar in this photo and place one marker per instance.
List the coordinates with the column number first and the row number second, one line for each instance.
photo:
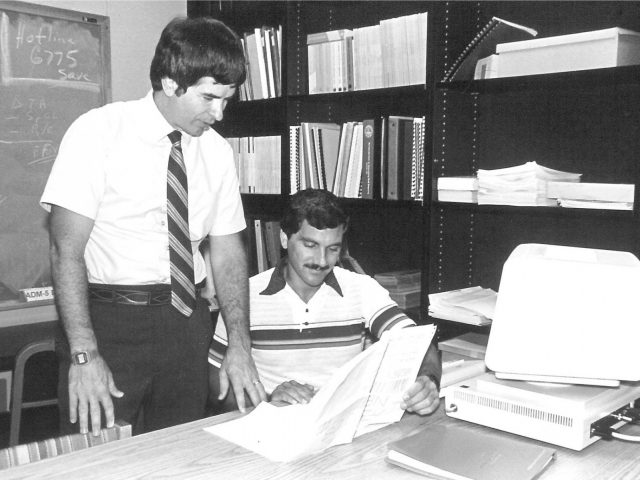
column 153, row 125
column 278, row 282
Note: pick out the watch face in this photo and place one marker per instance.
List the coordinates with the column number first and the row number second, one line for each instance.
column 80, row 358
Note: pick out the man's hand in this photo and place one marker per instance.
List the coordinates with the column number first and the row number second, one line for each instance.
column 90, row 388
column 292, row 392
column 238, row 369
column 422, row 397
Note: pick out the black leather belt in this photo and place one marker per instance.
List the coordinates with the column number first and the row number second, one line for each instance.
column 142, row 295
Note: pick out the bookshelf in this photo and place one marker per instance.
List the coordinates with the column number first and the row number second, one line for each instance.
column 384, row 235
column 575, row 121
column 579, row 121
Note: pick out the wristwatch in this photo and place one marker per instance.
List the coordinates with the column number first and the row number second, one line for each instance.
column 82, row 357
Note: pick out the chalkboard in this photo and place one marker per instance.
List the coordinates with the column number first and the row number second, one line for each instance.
column 54, row 66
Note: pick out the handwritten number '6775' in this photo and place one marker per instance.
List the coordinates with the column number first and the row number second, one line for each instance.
column 40, row 55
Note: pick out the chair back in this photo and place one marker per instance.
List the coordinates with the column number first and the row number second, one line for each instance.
column 52, row 447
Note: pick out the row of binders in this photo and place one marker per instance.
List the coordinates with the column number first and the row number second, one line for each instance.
column 374, row 158
column 392, row 53
column 531, row 184
column 258, row 163
column 263, row 53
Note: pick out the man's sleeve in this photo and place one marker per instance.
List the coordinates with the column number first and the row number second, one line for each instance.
column 76, row 181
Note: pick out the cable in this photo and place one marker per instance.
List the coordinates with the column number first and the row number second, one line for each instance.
column 626, row 438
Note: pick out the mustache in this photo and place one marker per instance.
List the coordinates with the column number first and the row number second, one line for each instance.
column 315, row 266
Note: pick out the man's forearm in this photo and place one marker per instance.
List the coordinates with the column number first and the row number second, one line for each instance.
column 431, row 365
column 71, row 287
column 230, row 273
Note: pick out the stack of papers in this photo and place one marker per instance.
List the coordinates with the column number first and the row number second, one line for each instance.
column 473, row 305
column 524, row 185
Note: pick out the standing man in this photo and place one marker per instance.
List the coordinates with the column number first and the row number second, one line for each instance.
column 134, row 190
column 309, row 316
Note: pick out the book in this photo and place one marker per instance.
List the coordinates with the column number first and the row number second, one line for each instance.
column 361, row 396
column 294, row 158
column 399, row 139
column 399, row 278
column 354, row 170
column 594, row 204
column 253, row 57
column 369, row 134
column 460, row 453
column 262, row 67
column 469, row 344
column 461, row 196
column 408, row 297
column 261, row 251
column 607, row 48
column 464, row 182
column 328, row 143
column 598, row 192
column 484, row 44
column 272, row 241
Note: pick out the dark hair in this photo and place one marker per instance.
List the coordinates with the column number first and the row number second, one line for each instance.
column 192, row 48
column 319, row 208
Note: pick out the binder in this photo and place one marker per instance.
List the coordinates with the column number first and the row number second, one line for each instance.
column 483, row 44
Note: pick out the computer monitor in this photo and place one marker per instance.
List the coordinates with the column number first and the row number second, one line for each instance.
column 567, row 315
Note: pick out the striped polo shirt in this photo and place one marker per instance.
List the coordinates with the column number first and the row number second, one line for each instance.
column 307, row 342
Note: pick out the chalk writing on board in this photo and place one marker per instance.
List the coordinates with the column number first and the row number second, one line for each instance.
column 53, row 68
column 55, row 52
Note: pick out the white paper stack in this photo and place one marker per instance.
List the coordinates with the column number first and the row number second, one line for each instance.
column 524, row 185
column 473, row 305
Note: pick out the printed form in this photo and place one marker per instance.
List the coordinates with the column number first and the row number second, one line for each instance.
column 363, row 395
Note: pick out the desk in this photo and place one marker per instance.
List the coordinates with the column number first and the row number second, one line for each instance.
column 188, row 452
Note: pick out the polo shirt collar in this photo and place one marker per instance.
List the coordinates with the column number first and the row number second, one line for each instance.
column 278, row 282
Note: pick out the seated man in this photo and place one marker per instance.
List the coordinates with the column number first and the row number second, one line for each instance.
column 309, row 316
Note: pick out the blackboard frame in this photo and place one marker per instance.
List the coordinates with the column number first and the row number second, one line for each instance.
column 100, row 21
column 14, row 312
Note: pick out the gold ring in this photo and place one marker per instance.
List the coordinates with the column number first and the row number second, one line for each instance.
column 256, row 382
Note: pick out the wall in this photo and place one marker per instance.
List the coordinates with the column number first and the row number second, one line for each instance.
column 135, row 30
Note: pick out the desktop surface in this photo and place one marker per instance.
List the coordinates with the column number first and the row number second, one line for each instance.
column 188, row 452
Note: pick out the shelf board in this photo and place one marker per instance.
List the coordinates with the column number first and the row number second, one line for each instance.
column 412, row 90
column 557, row 211
column 576, row 79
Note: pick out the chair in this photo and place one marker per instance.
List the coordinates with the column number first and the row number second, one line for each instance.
column 32, row 452
column 17, row 405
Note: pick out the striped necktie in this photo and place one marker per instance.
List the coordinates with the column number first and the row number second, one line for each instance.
column 183, row 290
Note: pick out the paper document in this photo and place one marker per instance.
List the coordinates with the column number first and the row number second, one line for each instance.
column 472, row 305
column 363, row 395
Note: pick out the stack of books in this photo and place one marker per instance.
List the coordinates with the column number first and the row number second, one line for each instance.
column 472, row 305
column 458, row 189
column 403, row 286
column 263, row 51
column 607, row 196
column 257, row 162
column 524, row 185
column 390, row 54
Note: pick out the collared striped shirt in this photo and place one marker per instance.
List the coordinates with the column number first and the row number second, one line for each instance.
column 307, row 342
